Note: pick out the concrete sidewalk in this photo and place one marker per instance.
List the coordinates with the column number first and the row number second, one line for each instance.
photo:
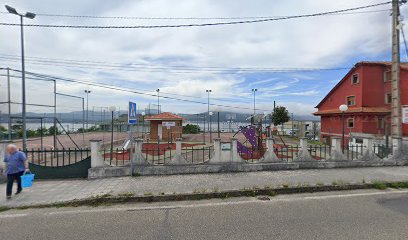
column 46, row 192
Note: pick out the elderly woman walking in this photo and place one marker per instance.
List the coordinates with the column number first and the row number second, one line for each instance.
column 16, row 164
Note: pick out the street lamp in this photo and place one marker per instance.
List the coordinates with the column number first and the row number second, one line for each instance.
column 112, row 109
column 28, row 15
column 254, row 90
column 343, row 108
column 158, row 100
column 209, row 129
column 87, row 105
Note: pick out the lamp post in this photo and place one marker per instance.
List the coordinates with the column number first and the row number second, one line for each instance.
column 112, row 109
column 343, row 108
column 158, row 100
column 254, row 90
column 87, row 92
column 209, row 129
column 28, row 15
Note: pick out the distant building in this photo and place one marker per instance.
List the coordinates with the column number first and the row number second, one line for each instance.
column 366, row 89
column 158, row 130
column 299, row 128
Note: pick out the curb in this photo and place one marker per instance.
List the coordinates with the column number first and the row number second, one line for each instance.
column 107, row 199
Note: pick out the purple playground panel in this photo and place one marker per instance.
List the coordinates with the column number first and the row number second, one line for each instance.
column 250, row 135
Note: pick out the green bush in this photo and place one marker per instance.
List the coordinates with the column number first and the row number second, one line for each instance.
column 191, row 128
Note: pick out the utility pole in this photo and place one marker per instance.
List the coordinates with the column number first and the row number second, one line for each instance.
column 396, row 121
column 9, row 104
column 87, row 107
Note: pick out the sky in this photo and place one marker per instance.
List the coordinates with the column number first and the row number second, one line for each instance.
column 184, row 62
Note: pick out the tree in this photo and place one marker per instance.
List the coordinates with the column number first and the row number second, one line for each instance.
column 280, row 116
column 191, row 128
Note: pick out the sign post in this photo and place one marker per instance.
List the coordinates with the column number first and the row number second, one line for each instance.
column 132, row 119
column 169, row 125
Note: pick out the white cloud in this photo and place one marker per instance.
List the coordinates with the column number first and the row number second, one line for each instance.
column 310, row 42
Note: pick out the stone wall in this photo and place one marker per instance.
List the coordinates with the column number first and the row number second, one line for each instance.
column 227, row 159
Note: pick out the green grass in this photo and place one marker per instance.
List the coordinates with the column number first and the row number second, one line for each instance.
column 4, row 208
column 126, row 194
column 272, row 193
column 381, row 185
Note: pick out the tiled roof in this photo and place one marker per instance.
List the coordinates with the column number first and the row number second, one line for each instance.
column 164, row 116
column 355, row 110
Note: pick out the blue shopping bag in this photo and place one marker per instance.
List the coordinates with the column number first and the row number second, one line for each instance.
column 27, row 180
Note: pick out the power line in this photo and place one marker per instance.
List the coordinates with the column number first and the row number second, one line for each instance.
column 111, row 87
column 199, row 24
column 169, row 69
column 185, row 18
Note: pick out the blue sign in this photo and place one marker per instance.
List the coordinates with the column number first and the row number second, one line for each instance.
column 132, row 118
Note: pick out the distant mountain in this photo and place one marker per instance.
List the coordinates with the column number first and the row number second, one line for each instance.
column 101, row 116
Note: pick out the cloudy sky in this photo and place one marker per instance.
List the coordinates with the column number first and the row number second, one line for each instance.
column 184, row 62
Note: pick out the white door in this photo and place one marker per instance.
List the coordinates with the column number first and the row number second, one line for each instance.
column 159, row 131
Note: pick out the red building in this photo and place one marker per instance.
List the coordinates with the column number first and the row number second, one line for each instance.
column 158, row 130
column 366, row 89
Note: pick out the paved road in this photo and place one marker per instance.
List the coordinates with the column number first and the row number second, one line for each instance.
column 338, row 215
column 65, row 190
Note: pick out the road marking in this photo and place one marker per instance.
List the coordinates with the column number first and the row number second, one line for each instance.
column 198, row 205
column 13, row 215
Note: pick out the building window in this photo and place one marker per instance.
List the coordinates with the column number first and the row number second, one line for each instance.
column 380, row 123
column 350, row 123
column 387, row 76
column 354, row 79
column 388, row 98
column 351, row 100
column 359, row 140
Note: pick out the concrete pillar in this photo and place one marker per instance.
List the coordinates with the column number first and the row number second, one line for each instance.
column 368, row 144
column 235, row 157
column 3, row 145
column 138, row 158
column 336, row 153
column 270, row 156
column 396, row 147
column 369, row 154
column 178, row 146
column 216, row 158
column 303, row 154
column 96, row 157
column 178, row 159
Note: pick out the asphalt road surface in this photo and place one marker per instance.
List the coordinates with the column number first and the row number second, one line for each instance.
column 339, row 215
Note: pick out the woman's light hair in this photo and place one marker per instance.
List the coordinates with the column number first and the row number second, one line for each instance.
column 12, row 146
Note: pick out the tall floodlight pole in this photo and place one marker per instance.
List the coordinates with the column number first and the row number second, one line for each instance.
column 396, row 121
column 208, row 91
column 254, row 90
column 87, row 92
column 158, row 100
column 112, row 109
column 28, row 15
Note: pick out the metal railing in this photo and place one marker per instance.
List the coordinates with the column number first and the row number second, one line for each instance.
column 252, row 154
column 57, row 157
column 353, row 152
column 287, row 153
column 157, row 156
column 118, row 157
column 319, row 152
column 382, row 151
column 197, row 154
